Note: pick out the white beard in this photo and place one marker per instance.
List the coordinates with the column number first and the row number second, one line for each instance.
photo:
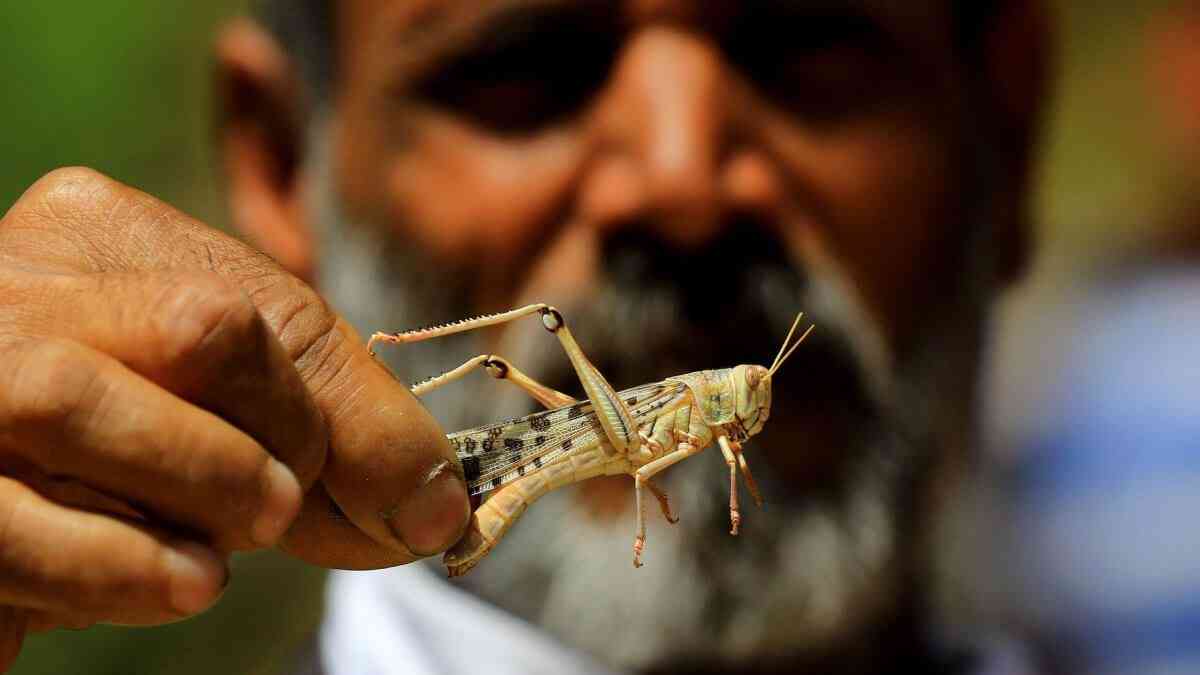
column 805, row 573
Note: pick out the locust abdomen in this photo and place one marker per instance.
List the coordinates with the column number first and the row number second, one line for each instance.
column 495, row 516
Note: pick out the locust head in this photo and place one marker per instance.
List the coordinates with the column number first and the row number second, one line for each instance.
column 753, row 385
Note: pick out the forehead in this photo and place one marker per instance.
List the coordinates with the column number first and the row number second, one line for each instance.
column 371, row 30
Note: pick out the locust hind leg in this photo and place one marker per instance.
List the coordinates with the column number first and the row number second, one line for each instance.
column 614, row 416
column 612, row 413
column 420, row 334
column 641, row 477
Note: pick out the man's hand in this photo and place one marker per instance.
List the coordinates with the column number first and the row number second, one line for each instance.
column 167, row 395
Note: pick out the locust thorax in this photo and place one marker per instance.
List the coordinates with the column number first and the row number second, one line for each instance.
column 752, row 387
column 736, row 399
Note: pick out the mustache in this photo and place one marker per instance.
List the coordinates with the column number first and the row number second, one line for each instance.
column 659, row 311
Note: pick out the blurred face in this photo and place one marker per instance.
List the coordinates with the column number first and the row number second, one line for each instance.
column 680, row 178
column 535, row 150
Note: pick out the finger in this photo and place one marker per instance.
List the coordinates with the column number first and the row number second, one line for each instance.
column 69, row 492
column 12, row 635
column 390, row 469
column 74, row 563
column 198, row 336
column 76, row 413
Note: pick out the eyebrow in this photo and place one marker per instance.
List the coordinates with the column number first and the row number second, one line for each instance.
column 873, row 10
column 448, row 30
column 899, row 23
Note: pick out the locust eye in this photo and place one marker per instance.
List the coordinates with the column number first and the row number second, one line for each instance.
column 754, row 375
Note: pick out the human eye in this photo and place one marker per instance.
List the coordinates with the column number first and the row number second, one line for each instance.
column 824, row 65
column 524, row 71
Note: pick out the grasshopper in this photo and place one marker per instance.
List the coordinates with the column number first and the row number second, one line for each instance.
column 638, row 431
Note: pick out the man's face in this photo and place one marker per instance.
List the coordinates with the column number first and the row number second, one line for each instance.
column 520, row 145
column 681, row 178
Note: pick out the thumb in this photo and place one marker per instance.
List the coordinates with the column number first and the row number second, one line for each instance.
column 390, row 470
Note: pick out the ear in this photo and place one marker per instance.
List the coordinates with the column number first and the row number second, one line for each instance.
column 261, row 134
column 1018, row 66
column 1173, row 58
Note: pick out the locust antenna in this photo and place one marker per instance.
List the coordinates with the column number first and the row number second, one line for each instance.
column 789, row 353
column 785, row 341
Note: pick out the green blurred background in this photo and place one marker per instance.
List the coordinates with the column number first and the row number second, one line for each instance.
column 123, row 86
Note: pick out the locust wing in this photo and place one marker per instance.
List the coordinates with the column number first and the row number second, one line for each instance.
column 499, row 453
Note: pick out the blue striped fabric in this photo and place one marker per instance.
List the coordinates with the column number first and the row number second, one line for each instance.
column 1107, row 495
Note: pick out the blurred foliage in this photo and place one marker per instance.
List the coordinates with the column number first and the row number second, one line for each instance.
column 122, row 86
column 272, row 605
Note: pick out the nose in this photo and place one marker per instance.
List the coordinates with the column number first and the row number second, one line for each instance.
column 663, row 132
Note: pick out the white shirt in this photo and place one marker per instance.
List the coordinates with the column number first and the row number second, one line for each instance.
column 408, row 620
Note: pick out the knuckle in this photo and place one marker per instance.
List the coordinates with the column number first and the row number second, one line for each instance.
column 314, row 340
column 50, row 382
column 70, row 183
column 68, row 219
column 65, row 191
column 323, row 363
column 301, row 317
column 72, row 175
column 204, row 316
column 307, row 328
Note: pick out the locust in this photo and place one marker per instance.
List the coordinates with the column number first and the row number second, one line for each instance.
column 638, row 432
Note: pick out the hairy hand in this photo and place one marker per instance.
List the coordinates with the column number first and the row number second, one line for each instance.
column 168, row 395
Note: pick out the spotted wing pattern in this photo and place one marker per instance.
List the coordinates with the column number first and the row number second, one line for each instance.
column 499, row 453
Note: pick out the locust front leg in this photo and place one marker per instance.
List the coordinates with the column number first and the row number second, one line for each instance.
column 750, row 484
column 735, row 517
column 500, row 369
